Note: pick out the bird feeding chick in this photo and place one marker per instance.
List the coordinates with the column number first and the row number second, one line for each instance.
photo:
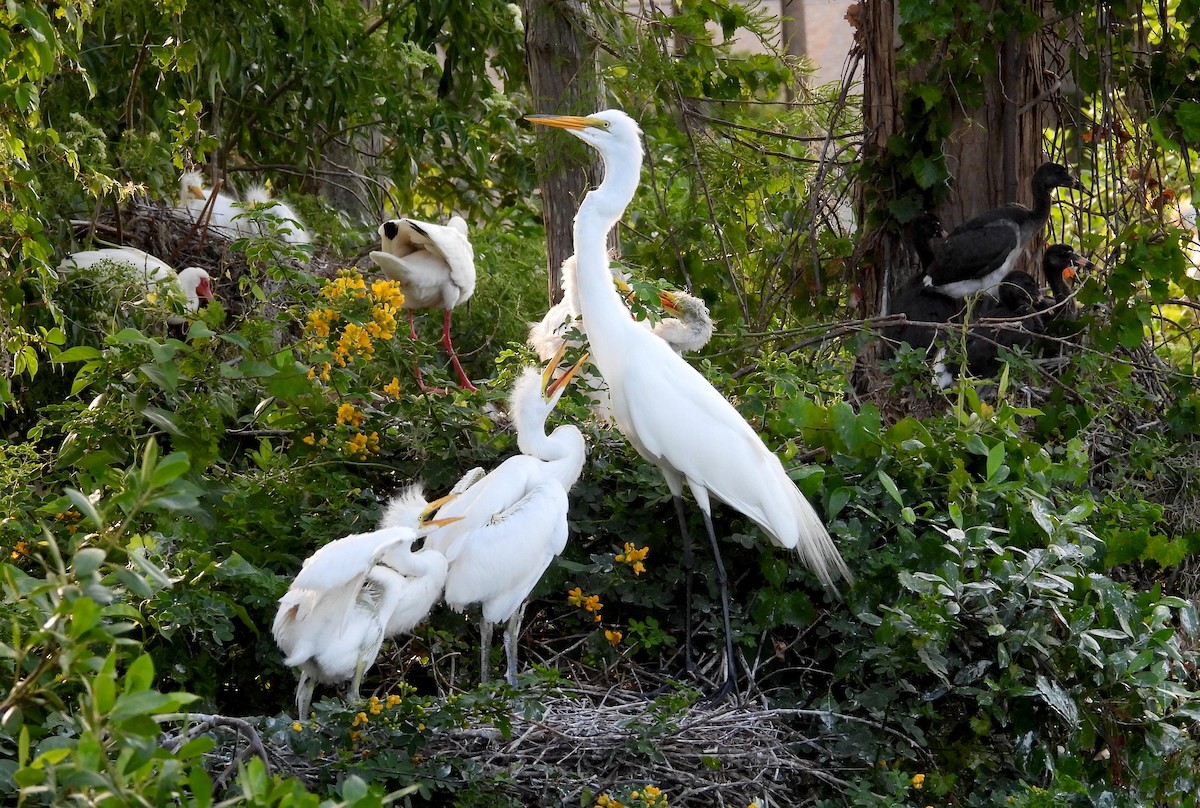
column 512, row 522
column 352, row 594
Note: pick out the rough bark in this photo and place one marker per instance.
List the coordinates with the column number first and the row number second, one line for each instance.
column 791, row 28
column 991, row 152
column 563, row 79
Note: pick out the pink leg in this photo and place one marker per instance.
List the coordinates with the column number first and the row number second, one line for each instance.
column 412, row 329
column 463, row 381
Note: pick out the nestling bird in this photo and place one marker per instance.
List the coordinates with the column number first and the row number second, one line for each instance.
column 148, row 275
column 1021, row 303
column 435, row 267
column 687, row 327
column 349, row 596
column 982, row 250
column 214, row 211
column 667, row 410
column 290, row 227
column 512, row 523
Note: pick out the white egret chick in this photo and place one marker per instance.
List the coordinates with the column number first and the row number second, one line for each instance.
column 513, row 521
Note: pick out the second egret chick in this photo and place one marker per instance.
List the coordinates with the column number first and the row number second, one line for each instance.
column 513, row 521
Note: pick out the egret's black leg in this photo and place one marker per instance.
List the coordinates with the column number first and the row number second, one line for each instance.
column 731, row 685
column 689, row 569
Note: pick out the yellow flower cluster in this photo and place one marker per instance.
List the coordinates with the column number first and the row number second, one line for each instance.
column 606, row 801
column 363, row 446
column 21, row 549
column 343, row 294
column 349, row 414
column 354, row 341
column 650, row 795
column 392, row 388
column 613, row 637
column 589, row 602
column 347, row 285
column 918, row 780
column 633, row 557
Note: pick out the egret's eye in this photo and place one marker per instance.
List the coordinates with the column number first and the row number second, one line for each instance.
column 606, row 124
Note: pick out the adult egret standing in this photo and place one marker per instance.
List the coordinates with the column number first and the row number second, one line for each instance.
column 435, row 266
column 512, row 523
column 664, row 406
column 149, row 274
column 349, row 596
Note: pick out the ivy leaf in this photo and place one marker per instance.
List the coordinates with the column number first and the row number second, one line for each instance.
column 1187, row 115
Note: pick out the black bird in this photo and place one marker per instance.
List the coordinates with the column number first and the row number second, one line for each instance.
column 1018, row 296
column 978, row 253
column 923, row 230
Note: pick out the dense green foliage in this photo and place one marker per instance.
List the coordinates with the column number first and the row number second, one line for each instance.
column 1023, row 626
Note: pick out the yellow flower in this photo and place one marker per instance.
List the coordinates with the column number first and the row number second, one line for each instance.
column 310, row 440
column 387, row 292
column 575, row 597
column 349, row 414
column 21, row 548
column 392, row 388
column 592, row 603
column 918, row 780
column 357, row 446
column 375, row 706
column 355, row 735
column 633, row 557
column 360, row 719
column 651, row 791
column 393, row 700
column 614, row 637
column 296, row 726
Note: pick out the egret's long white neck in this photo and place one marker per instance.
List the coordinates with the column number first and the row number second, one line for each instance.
column 599, row 301
column 562, row 451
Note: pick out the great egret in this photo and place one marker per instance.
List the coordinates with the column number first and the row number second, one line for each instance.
column 214, row 211
column 978, row 253
column 435, row 267
column 149, row 274
column 349, row 596
column 291, row 228
column 513, row 521
column 688, row 327
column 667, row 410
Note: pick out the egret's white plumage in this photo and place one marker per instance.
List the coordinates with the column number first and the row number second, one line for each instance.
column 689, row 328
column 350, row 595
column 220, row 211
column 291, row 228
column 149, row 274
column 435, row 267
column 513, row 521
column 664, row 406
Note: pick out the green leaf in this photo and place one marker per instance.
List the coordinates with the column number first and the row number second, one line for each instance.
column 169, row 468
column 1187, row 115
column 85, row 507
column 889, row 485
column 163, row 420
column 77, row 353
column 995, row 459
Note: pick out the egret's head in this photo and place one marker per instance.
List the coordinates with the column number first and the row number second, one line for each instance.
column 684, row 306
column 197, row 285
column 604, row 131
column 191, row 186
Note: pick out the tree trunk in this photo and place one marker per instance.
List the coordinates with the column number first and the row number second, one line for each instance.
column 563, row 79
column 991, row 152
column 791, row 29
